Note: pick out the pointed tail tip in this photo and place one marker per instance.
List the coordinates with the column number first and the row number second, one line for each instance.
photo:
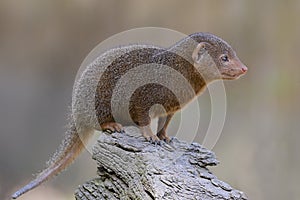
column 19, row 192
column 15, row 195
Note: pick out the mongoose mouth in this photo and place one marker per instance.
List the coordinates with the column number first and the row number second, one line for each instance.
column 234, row 73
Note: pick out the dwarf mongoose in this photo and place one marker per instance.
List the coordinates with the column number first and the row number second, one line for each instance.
column 200, row 58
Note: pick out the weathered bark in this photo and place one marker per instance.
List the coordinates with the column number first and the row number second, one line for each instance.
column 131, row 168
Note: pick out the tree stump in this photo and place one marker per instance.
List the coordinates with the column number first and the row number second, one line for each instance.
column 129, row 167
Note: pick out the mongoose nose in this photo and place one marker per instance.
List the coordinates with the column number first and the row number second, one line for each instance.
column 244, row 69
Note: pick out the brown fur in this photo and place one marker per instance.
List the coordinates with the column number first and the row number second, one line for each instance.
column 199, row 58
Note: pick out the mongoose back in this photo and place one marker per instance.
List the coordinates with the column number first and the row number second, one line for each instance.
column 199, row 58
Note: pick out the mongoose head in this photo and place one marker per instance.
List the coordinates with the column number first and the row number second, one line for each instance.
column 215, row 58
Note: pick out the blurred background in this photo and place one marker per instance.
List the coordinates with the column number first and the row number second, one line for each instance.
column 42, row 44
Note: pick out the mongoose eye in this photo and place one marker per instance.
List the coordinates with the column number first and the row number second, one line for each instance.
column 224, row 58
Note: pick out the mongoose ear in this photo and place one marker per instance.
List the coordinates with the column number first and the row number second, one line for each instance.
column 199, row 51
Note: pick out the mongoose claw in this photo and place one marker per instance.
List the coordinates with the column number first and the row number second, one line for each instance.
column 155, row 142
column 162, row 135
column 172, row 139
column 108, row 131
column 122, row 131
column 112, row 127
column 166, row 141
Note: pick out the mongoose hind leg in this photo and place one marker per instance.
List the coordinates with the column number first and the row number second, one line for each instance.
column 111, row 127
column 163, row 123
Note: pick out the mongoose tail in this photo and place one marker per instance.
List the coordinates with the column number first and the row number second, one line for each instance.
column 200, row 58
column 69, row 150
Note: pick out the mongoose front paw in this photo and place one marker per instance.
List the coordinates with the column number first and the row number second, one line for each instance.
column 153, row 139
column 162, row 135
column 112, row 127
column 148, row 135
